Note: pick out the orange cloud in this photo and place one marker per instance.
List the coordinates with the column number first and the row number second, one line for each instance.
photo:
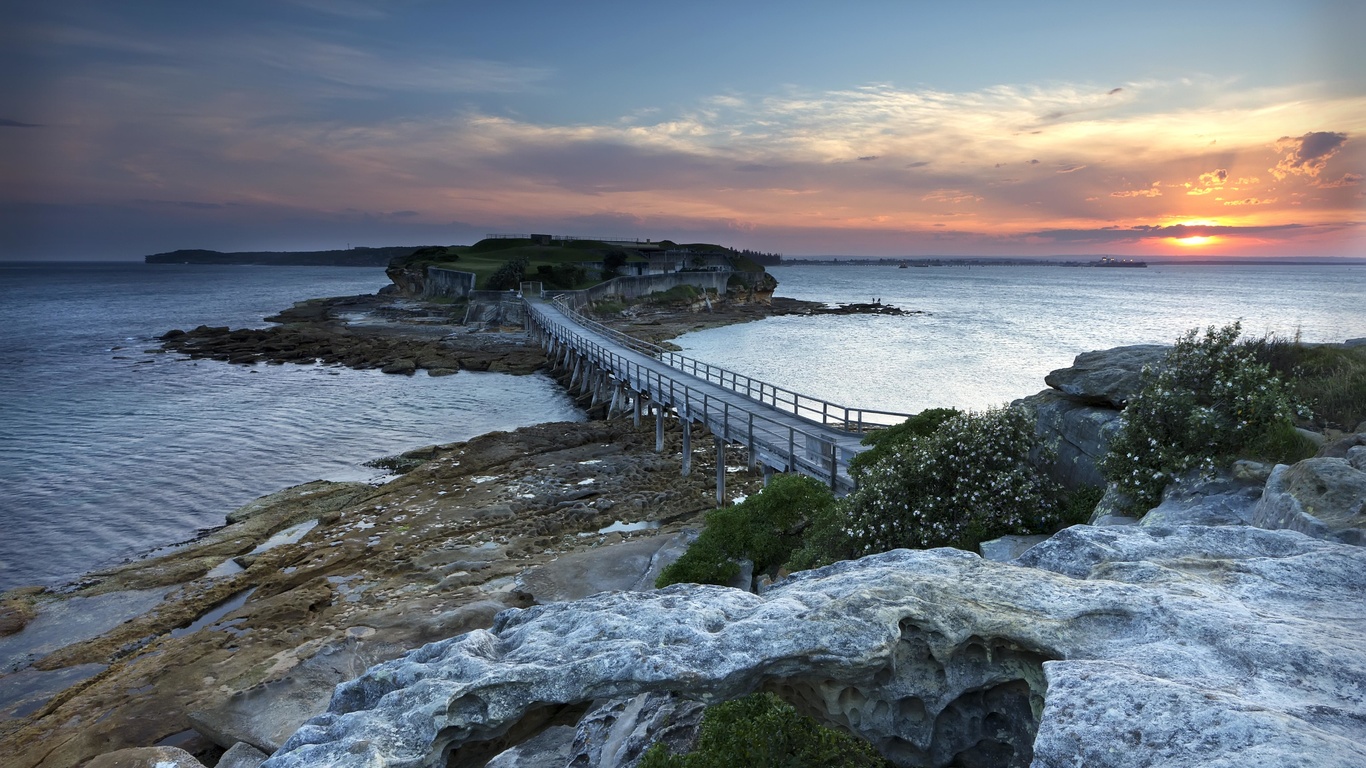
column 1152, row 191
column 1251, row 201
column 1308, row 154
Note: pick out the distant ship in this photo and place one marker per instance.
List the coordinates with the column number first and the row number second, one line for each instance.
column 1106, row 261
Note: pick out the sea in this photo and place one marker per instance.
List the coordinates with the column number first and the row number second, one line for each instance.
column 109, row 450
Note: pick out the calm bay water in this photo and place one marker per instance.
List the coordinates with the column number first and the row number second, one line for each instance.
column 992, row 333
column 107, row 452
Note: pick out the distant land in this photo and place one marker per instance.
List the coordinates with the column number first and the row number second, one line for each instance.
column 349, row 257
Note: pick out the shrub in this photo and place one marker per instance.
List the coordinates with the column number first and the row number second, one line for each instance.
column 1207, row 402
column 763, row 731
column 884, row 440
column 1329, row 380
column 968, row 481
column 509, row 276
column 764, row 529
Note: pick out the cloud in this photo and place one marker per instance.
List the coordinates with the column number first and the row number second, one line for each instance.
column 1308, row 154
column 867, row 158
column 1070, row 168
column 918, row 164
column 7, row 123
column 1153, row 190
column 1347, row 180
column 1113, row 91
column 1215, row 178
column 1200, row 191
column 1251, row 201
column 951, row 196
column 1147, row 232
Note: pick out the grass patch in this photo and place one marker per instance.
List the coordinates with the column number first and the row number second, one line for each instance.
column 1329, row 380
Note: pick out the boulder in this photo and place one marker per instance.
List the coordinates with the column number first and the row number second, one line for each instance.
column 1222, row 500
column 1324, row 498
column 1125, row 646
column 1008, row 548
column 146, row 757
column 242, row 755
column 1081, row 433
column 1108, row 377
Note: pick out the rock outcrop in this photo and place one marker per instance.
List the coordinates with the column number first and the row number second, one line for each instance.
column 1109, row 377
column 1080, row 414
column 1178, row 646
column 1321, row 497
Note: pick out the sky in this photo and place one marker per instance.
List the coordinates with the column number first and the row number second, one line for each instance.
column 1209, row 129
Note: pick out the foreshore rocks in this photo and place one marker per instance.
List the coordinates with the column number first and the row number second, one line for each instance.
column 1187, row 646
column 238, row 640
column 365, row 332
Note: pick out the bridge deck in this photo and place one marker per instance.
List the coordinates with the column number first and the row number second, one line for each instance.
column 776, row 438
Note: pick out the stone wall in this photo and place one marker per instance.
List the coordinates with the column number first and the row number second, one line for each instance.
column 636, row 287
column 447, row 283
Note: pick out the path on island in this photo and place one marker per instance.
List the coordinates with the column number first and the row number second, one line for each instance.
column 782, row 430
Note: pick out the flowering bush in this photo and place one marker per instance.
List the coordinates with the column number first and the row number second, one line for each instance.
column 1209, row 401
column 969, row 481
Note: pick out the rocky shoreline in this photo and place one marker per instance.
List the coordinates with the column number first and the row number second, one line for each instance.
column 1192, row 636
column 307, row 587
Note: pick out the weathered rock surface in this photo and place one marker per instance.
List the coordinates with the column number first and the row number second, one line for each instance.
column 1184, row 646
column 631, row 565
column 365, row 332
column 1109, row 377
column 256, row 652
column 1081, row 432
column 1223, row 500
column 242, row 755
column 1324, row 498
column 146, row 757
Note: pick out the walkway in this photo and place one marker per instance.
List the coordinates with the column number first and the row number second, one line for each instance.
column 782, row 430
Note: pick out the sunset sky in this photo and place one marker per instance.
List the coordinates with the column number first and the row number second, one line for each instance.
column 808, row 128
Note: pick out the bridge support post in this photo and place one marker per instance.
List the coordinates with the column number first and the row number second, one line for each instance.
column 750, row 443
column 616, row 396
column 659, row 427
column 635, row 403
column 720, row 472
column 687, row 440
column 768, row 474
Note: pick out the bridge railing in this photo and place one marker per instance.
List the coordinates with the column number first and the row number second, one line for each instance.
column 810, row 408
column 781, row 446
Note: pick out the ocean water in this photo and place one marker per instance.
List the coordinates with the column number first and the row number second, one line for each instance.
column 107, row 452
column 992, row 333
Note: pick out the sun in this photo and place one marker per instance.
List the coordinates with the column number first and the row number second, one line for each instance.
column 1194, row 241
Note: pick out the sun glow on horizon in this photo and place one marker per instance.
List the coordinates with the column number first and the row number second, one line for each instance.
column 1195, row 241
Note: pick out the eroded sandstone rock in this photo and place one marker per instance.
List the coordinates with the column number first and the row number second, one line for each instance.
column 1109, row 377
column 1321, row 497
column 1119, row 646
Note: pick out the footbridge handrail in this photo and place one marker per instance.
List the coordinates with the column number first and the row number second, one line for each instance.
column 813, row 409
column 779, row 445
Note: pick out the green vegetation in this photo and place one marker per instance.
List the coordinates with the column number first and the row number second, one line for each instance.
column 1209, row 402
column 970, row 480
column 884, row 441
column 763, row 731
column 764, row 529
column 1328, row 380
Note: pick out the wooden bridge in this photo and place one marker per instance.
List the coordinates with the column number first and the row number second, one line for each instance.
column 782, row 430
